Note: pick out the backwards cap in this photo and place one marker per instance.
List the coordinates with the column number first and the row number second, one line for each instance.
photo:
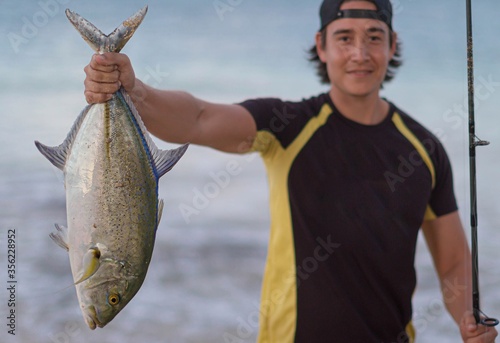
column 330, row 11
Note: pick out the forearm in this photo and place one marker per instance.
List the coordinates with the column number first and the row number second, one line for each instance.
column 170, row 115
column 456, row 287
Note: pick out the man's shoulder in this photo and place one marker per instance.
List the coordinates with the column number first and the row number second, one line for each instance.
column 414, row 124
column 429, row 140
column 285, row 120
column 311, row 103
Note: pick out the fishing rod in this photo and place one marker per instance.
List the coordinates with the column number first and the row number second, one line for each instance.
column 474, row 142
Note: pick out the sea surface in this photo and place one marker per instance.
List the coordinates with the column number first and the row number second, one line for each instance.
column 205, row 276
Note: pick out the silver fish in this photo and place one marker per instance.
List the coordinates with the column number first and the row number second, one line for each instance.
column 111, row 171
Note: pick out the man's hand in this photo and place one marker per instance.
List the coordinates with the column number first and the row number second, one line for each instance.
column 105, row 74
column 476, row 333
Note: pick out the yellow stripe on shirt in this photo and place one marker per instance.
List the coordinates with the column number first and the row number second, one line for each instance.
column 278, row 309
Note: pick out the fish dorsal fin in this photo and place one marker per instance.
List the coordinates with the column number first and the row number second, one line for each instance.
column 90, row 264
column 60, row 237
column 162, row 160
column 100, row 42
column 57, row 155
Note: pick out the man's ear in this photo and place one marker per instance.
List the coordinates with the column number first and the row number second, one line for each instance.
column 394, row 43
column 320, row 49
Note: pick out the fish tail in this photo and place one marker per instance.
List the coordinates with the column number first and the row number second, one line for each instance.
column 100, row 42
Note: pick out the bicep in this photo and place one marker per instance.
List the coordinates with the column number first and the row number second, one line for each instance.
column 447, row 242
column 229, row 128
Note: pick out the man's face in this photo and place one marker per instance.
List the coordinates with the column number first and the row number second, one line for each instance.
column 357, row 52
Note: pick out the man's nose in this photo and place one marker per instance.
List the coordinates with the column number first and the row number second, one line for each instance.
column 359, row 52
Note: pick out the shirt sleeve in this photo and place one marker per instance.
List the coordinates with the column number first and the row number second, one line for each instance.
column 277, row 121
column 442, row 199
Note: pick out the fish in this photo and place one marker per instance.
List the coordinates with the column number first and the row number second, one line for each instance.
column 111, row 170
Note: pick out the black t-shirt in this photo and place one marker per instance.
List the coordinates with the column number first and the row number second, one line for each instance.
column 347, row 201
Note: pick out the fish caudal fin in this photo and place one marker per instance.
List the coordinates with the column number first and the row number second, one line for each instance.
column 100, row 42
column 60, row 237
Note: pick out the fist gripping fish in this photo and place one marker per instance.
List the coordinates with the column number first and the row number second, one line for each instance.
column 111, row 171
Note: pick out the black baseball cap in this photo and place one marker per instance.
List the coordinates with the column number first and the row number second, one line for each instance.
column 330, row 11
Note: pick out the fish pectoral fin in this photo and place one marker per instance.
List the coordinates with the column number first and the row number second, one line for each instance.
column 60, row 237
column 160, row 212
column 164, row 160
column 91, row 263
column 100, row 42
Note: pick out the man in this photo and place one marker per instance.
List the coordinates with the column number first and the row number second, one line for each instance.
column 352, row 180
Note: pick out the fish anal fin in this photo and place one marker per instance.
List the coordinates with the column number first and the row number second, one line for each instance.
column 90, row 264
column 60, row 237
column 164, row 160
column 58, row 155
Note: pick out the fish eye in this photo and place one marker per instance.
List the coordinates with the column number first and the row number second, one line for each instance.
column 113, row 299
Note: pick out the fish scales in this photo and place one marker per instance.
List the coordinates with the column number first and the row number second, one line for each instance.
column 111, row 170
column 121, row 197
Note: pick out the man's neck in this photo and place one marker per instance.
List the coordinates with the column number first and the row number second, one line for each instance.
column 367, row 110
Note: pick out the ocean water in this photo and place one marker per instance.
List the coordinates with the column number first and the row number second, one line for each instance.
column 204, row 281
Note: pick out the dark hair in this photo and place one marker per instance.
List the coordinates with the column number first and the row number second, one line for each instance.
column 322, row 72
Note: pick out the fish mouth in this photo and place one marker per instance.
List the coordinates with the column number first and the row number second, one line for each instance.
column 91, row 318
